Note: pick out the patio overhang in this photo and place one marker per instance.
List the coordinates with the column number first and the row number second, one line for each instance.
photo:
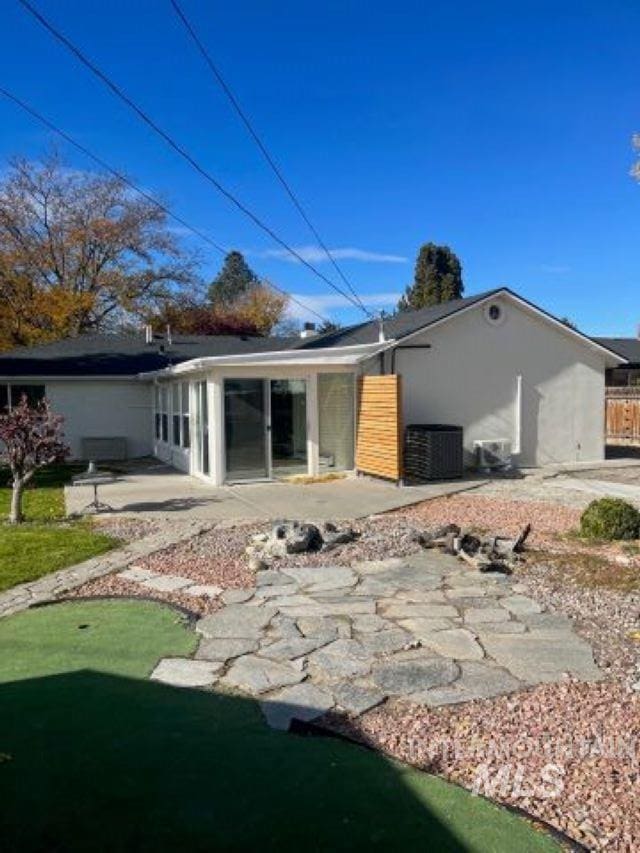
column 320, row 358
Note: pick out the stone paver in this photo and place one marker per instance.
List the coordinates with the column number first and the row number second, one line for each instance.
column 208, row 590
column 184, row 672
column 424, row 628
column 538, row 658
column 290, row 648
column 477, row 681
column 356, row 698
column 237, row 621
column 223, row 650
column 341, row 659
column 167, row 583
column 456, row 643
column 137, row 574
column 236, row 596
column 256, row 675
column 303, row 702
column 405, row 676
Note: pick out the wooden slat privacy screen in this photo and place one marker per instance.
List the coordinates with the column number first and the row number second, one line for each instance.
column 379, row 429
column 623, row 415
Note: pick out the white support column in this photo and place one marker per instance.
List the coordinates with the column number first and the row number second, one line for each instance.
column 313, row 426
column 216, row 429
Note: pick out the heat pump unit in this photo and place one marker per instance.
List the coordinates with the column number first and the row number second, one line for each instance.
column 493, row 454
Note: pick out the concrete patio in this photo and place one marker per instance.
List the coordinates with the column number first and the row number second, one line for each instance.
column 155, row 490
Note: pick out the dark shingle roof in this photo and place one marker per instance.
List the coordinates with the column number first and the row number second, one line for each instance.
column 398, row 326
column 129, row 355
column 628, row 348
column 126, row 355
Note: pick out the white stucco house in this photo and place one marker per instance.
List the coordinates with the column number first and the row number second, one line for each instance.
column 233, row 408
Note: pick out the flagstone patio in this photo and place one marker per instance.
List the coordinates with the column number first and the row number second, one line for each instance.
column 422, row 628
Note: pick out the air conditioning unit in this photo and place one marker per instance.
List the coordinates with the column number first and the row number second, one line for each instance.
column 493, row 454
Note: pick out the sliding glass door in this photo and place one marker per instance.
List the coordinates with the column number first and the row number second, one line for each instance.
column 288, row 427
column 265, row 424
column 246, row 429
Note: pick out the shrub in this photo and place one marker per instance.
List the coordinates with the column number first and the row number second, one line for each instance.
column 610, row 518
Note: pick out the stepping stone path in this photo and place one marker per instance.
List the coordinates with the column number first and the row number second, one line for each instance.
column 423, row 628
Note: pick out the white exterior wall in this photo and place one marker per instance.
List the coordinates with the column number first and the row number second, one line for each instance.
column 103, row 408
column 469, row 377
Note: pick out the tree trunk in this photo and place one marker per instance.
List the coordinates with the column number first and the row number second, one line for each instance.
column 15, row 516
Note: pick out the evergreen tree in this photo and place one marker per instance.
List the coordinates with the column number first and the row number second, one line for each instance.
column 438, row 278
column 235, row 279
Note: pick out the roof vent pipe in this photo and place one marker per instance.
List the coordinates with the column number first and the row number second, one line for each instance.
column 148, row 334
column 381, row 335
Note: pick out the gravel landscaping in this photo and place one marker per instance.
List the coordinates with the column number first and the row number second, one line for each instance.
column 596, row 586
column 587, row 736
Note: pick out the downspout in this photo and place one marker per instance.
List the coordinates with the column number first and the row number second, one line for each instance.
column 405, row 346
column 517, row 443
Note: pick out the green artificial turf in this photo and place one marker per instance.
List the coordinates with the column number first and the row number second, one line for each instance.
column 95, row 757
column 45, row 542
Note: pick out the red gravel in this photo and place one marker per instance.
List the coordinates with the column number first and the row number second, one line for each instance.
column 496, row 515
column 598, row 802
column 589, row 733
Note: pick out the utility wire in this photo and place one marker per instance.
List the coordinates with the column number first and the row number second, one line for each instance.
column 265, row 153
column 177, row 147
column 103, row 164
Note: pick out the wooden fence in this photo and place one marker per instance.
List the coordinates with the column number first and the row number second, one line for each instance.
column 379, row 428
column 623, row 415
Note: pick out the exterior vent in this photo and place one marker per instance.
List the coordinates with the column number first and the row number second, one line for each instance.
column 104, row 449
column 493, row 454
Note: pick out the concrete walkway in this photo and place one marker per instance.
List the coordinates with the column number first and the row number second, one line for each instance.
column 422, row 628
column 155, row 490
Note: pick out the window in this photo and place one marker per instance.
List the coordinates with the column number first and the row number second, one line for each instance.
column 158, row 417
column 10, row 395
column 164, row 409
column 336, row 404
column 186, row 435
column 175, row 414
column 162, row 413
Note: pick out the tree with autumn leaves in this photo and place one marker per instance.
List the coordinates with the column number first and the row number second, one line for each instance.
column 237, row 302
column 81, row 252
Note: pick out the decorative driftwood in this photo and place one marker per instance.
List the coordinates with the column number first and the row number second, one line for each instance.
column 488, row 554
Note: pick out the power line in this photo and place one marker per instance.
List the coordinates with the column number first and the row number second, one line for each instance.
column 177, row 147
column 265, row 153
column 103, row 164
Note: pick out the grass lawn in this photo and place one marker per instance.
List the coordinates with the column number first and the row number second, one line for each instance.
column 45, row 542
column 98, row 758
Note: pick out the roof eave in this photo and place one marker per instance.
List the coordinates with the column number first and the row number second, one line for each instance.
column 325, row 356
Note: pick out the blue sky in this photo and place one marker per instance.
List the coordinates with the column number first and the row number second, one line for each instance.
column 501, row 129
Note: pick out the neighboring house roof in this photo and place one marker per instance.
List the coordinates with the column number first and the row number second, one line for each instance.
column 628, row 348
column 126, row 355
